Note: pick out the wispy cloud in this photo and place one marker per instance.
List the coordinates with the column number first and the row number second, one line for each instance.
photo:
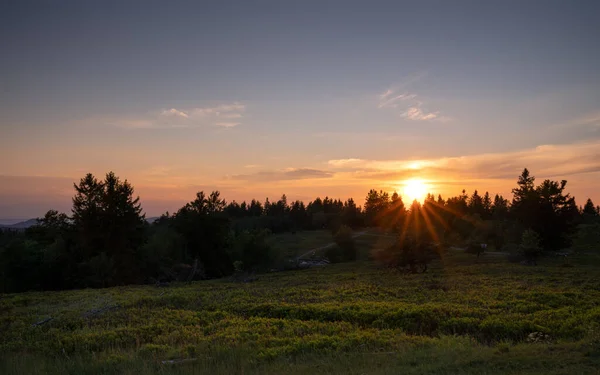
column 219, row 115
column 174, row 112
column 282, row 175
column 548, row 161
column 391, row 101
column 417, row 114
column 387, row 93
column 227, row 124
column 220, row 110
column 411, row 108
column 407, row 103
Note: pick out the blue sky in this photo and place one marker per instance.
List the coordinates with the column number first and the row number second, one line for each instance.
column 304, row 98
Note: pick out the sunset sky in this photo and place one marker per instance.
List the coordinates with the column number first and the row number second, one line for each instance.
column 260, row 98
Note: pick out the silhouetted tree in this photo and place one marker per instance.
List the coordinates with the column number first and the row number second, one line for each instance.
column 255, row 209
column 500, row 208
column 376, row 205
column 589, row 211
column 205, row 230
column 487, row 206
column 351, row 214
column 475, row 205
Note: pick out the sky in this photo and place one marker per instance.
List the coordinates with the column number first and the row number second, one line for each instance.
column 306, row 98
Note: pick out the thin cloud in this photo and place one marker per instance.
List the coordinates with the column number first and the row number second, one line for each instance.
column 546, row 161
column 283, row 175
column 339, row 163
column 174, row 112
column 230, row 115
column 386, row 94
column 417, row 114
column 409, row 105
column 220, row 115
column 392, row 102
column 219, row 110
column 228, row 124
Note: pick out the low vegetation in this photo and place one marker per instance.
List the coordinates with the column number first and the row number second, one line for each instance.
column 460, row 317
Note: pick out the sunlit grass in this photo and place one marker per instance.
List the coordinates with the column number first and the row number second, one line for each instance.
column 463, row 316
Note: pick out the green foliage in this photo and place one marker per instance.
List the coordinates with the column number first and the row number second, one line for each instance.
column 164, row 249
column 530, row 245
column 409, row 254
column 335, row 312
column 376, row 206
column 345, row 247
column 587, row 238
column 251, row 251
column 546, row 209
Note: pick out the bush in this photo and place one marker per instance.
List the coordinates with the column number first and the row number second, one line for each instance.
column 408, row 254
column 345, row 241
column 250, row 251
column 164, row 249
column 587, row 238
column 530, row 246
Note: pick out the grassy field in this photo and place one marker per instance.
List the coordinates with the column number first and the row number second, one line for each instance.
column 297, row 244
column 465, row 316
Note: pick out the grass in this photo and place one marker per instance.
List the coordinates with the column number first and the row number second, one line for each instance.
column 465, row 316
column 296, row 244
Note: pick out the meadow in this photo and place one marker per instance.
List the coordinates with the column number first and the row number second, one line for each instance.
column 466, row 315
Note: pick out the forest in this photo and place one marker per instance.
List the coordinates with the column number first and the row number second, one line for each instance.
column 106, row 241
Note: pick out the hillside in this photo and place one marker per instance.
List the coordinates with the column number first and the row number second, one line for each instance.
column 465, row 316
column 31, row 222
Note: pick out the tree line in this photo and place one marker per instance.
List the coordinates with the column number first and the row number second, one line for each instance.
column 106, row 241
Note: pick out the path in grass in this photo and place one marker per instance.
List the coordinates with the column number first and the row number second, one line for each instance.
column 312, row 251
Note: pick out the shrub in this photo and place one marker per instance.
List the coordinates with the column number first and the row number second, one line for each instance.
column 345, row 242
column 530, row 246
column 408, row 254
column 251, row 251
column 587, row 238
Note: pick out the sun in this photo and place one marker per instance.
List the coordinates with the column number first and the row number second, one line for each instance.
column 415, row 189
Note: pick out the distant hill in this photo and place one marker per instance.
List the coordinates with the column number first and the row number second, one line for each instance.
column 31, row 222
column 20, row 225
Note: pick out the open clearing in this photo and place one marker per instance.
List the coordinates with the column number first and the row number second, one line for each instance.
column 464, row 316
column 306, row 244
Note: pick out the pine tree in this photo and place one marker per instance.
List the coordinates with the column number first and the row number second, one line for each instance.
column 475, row 204
column 376, row 204
column 499, row 208
column 525, row 207
column 396, row 213
column 487, row 206
column 110, row 225
column 87, row 215
column 122, row 227
column 589, row 209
